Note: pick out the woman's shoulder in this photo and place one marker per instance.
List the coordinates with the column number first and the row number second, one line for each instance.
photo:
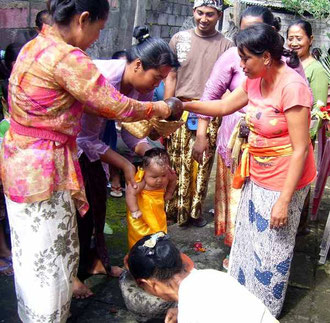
column 290, row 75
column 315, row 68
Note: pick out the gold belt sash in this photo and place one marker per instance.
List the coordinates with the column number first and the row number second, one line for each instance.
column 243, row 169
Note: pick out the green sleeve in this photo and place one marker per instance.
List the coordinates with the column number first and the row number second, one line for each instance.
column 318, row 81
column 4, row 126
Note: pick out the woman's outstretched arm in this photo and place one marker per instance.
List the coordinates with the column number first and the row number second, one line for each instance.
column 218, row 108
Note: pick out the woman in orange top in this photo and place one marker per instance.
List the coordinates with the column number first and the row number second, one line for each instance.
column 278, row 159
column 52, row 83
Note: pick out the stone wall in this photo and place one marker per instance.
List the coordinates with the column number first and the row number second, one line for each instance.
column 165, row 18
column 17, row 20
column 320, row 28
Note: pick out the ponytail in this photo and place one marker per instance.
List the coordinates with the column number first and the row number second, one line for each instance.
column 153, row 52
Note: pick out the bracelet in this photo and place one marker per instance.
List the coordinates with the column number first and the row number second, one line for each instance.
column 136, row 214
column 149, row 110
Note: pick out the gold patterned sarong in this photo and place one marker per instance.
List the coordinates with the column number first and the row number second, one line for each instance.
column 153, row 219
column 192, row 177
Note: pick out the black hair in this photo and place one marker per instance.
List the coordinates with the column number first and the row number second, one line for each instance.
column 305, row 25
column 11, row 53
column 260, row 38
column 317, row 53
column 162, row 262
column 265, row 14
column 159, row 155
column 153, row 52
column 63, row 11
column 119, row 54
column 40, row 18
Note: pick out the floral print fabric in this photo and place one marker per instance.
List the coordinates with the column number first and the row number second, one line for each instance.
column 260, row 257
column 51, row 84
column 45, row 251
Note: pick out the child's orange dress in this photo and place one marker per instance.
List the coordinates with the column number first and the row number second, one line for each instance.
column 153, row 218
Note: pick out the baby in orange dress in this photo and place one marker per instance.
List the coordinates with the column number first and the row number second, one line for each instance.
column 156, row 183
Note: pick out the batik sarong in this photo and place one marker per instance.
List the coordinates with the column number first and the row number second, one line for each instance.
column 45, row 251
column 260, row 257
column 226, row 202
column 193, row 178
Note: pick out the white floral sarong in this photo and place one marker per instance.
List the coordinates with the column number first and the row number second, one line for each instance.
column 45, row 250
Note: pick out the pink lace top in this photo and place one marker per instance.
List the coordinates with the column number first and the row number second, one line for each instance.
column 52, row 83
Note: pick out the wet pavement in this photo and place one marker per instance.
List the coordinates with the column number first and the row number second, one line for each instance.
column 307, row 299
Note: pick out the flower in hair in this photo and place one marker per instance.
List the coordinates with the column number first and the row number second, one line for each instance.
column 152, row 241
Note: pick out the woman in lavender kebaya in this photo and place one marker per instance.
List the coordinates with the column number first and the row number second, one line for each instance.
column 226, row 76
column 147, row 64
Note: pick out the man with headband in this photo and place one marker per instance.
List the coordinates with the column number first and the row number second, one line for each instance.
column 197, row 49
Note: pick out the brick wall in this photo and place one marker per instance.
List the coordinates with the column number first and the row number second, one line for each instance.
column 320, row 28
column 165, row 18
column 17, row 20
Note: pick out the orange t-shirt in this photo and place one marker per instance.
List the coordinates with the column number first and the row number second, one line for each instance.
column 268, row 128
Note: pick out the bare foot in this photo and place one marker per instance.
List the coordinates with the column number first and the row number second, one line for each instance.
column 97, row 268
column 5, row 252
column 116, row 271
column 80, row 290
column 6, row 268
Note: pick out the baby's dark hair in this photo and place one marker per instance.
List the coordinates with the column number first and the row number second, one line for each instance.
column 159, row 155
column 161, row 261
column 153, row 52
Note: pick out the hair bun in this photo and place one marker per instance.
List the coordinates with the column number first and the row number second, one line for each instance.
column 293, row 59
column 277, row 23
column 141, row 33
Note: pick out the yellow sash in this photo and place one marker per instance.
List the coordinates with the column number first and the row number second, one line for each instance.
column 243, row 169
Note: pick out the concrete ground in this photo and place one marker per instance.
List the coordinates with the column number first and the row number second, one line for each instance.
column 307, row 299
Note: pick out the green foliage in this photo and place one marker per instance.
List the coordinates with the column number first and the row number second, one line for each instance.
column 319, row 9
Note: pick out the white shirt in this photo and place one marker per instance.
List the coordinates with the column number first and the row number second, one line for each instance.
column 211, row 296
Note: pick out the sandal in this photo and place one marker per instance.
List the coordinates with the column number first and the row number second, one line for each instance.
column 116, row 191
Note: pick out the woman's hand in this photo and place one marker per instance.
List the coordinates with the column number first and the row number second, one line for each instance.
column 171, row 315
column 279, row 217
column 201, row 145
column 161, row 110
column 171, row 186
column 129, row 173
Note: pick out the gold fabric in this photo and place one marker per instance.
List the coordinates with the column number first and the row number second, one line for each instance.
column 225, row 202
column 142, row 129
column 153, row 219
column 192, row 177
